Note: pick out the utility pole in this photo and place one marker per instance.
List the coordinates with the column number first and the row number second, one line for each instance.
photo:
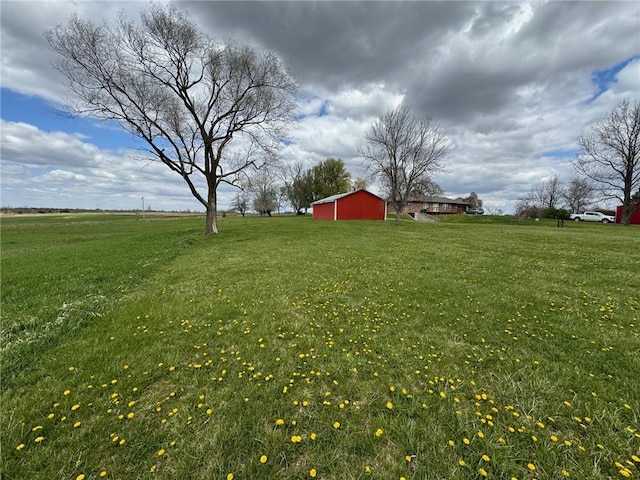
column 142, row 208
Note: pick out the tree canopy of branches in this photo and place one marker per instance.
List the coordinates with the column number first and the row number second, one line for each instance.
column 240, row 203
column 402, row 151
column 264, row 192
column 298, row 186
column 473, row 200
column 610, row 154
column 330, row 177
column 205, row 109
column 543, row 200
column 577, row 194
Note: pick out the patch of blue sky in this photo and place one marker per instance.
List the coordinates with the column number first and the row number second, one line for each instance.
column 47, row 116
column 559, row 154
column 312, row 107
column 603, row 79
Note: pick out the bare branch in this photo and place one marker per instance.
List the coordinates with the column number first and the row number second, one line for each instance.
column 196, row 102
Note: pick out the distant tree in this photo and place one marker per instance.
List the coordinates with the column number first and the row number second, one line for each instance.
column 359, row 184
column 610, row 154
column 207, row 110
column 263, row 189
column 577, row 194
column 298, row 185
column 330, row 177
column 525, row 208
column 403, row 151
column 473, row 200
column 427, row 187
column 544, row 195
column 240, row 203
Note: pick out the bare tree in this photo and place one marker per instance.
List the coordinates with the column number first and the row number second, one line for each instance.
column 359, row 184
column 610, row 154
column 403, row 151
column 544, row 195
column 577, row 193
column 240, row 203
column 264, row 191
column 206, row 110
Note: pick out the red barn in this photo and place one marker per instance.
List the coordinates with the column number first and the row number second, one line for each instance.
column 358, row 205
column 635, row 214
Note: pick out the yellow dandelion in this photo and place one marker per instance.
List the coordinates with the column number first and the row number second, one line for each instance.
column 75, row 407
column 313, row 473
column 531, row 467
column 482, row 472
column 229, row 476
column 389, row 405
column 209, row 411
column 313, row 436
column 77, row 424
column 379, row 432
column 625, row 472
column 160, row 452
column 553, row 438
column 152, row 469
column 480, row 435
column 20, row 447
column 263, row 459
column 39, row 439
column 66, row 392
column 80, row 477
column 461, row 463
column 565, row 473
column 635, row 458
column 279, row 422
column 466, row 441
column 103, row 473
column 336, row 425
column 486, row 458
column 367, row 469
column 130, row 415
column 451, row 443
column 296, row 439
column 408, row 458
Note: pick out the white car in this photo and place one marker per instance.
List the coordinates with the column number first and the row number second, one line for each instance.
column 592, row 217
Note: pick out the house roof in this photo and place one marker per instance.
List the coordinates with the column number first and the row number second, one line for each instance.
column 333, row 198
column 436, row 199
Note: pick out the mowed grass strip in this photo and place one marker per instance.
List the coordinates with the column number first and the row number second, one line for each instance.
column 288, row 348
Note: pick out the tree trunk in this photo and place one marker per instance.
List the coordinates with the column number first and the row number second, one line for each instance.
column 211, row 227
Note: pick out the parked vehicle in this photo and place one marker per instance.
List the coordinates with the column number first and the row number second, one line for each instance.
column 592, row 217
column 475, row 211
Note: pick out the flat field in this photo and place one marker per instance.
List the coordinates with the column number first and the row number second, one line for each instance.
column 287, row 348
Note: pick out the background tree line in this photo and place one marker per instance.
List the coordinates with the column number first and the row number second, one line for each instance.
column 607, row 168
column 269, row 190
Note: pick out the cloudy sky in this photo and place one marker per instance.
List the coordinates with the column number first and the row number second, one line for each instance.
column 513, row 84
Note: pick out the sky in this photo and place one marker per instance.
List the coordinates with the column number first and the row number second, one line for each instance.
column 513, row 85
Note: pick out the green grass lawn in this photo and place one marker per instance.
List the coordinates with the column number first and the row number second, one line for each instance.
column 288, row 348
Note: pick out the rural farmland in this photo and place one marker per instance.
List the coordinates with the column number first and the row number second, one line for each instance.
column 290, row 348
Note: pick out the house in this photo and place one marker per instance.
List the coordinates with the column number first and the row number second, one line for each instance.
column 357, row 205
column 635, row 214
column 433, row 205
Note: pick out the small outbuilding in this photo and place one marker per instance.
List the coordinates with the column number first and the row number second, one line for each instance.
column 357, row 205
column 634, row 219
